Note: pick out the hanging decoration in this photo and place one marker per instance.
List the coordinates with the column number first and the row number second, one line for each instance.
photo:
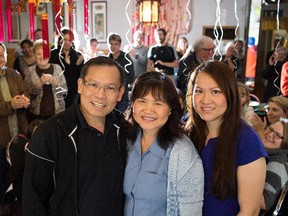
column 73, row 11
column 237, row 19
column 132, row 21
column 45, row 36
column 70, row 15
column 57, row 14
column 31, row 18
column 135, row 23
column 148, row 38
column 66, row 13
column 149, row 11
column 129, row 21
column 218, row 35
column 189, row 15
column 22, row 6
column 278, row 21
column 152, row 39
column 264, row 2
column 15, row 8
column 174, row 16
column 72, row 18
column 149, row 15
column 86, row 12
column 145, row 16
column 136, row 17
column 275, row 68
column 127, row 16
column 9, row 20
column 1, row 24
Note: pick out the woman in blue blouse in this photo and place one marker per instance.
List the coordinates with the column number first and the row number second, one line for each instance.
column 232, row 153
column 164, row 173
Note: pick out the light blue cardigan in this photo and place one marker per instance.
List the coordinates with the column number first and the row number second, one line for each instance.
column 185, row 190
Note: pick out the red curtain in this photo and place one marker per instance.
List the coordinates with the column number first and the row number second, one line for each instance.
column 173, row 17
column 86, row 17
column 31, row 17
column 9, row 20
column 1, row 24
column 45, row 36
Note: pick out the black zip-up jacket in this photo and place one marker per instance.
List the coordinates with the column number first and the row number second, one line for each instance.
column 50, row 176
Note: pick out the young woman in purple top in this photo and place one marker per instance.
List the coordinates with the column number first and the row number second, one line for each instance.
column 232, row 153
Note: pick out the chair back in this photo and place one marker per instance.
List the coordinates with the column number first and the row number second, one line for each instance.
column 15, row 154
column 282, row 204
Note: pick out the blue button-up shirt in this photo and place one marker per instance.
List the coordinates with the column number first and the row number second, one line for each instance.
column 145, row 181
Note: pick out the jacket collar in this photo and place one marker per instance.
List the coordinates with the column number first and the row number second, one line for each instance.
column 70, row 119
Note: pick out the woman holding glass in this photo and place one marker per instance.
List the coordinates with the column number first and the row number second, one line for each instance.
column 46, row 86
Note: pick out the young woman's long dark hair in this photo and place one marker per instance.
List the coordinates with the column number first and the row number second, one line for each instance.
column 224, row 173
column 161, row 87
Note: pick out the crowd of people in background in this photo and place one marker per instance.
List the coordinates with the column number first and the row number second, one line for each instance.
column 157, row 130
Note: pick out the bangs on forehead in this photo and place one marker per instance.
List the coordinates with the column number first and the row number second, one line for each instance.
column 155, row 90
column 220, row 81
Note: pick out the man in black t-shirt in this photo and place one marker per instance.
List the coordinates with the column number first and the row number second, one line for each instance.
column 162, row 57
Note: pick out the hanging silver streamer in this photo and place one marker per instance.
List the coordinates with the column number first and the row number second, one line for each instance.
column 61, row 93
column 236, row 16
column 187, row 9
column 127, row 38
column 218, row 37
column 278, row 32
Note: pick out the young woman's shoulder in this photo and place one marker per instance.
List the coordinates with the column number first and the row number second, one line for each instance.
column 247, row 134
column 249, row 145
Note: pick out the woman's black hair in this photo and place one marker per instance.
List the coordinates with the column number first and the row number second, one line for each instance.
column 161, row 87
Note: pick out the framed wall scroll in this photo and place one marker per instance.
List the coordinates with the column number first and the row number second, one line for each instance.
column 99, row 20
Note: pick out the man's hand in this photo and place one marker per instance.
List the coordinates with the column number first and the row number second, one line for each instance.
column 159, row 62
column 20, row 101
column 80, row 60
column 273, row 58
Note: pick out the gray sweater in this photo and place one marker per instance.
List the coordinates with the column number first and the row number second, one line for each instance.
column 185, row 180
column 276, row 176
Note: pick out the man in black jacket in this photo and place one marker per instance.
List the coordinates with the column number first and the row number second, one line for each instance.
column 75, row 161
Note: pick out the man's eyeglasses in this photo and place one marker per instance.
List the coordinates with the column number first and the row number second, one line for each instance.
column 276, row 135
column 208, row 49
column 109, row 89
